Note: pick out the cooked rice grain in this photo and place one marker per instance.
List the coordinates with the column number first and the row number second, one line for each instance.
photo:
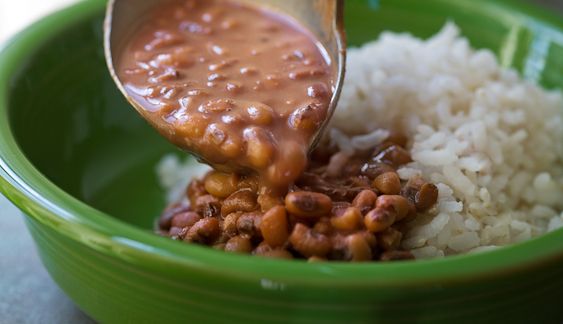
column 491, row 141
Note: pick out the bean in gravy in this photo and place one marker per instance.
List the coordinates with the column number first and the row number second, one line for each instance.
column 341, row 208
column 244, row 88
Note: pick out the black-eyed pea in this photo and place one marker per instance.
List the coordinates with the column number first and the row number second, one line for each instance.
column 398, row 203
column 349, row 220
column 323, row 226
column 250, row 182
column 357, row 248
column 167, row 74
column 274, row 226
column 373, row 169
column 185, row 219
column 260, row 148
column 193, row 126
column 394, row 155
column 379, row 219
column 426, row 197
column 267, row 200
column 212, row 77
column 339, row 207
column 249, row 224
column 389, row 239
column 207, row 206
column 365, row 201
column 238, row 244
column 388, row 183
column 309, row 243
column 318, row 91
column 290, row 164
column 229, row 224
column 234, row 87
column 232, row 147
column 259, row 113
column 248, row 70
column 264, row 250
column 215, row 135
column 176, row 232
column 205, row 231
column 308, row 204
column 338, row 249
column 223, row 237
column 242, row 200
column 305, row 73
column 165, row 220
column 306, row 118
column 217, row 105
column 370, row 238
column 411, row 188
column 221, row 184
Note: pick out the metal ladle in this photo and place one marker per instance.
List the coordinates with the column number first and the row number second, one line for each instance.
column 324, row 18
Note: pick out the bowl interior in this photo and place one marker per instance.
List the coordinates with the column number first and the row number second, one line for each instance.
column 81, row 134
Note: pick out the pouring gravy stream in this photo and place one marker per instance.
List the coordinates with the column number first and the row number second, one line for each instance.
column 242, row 87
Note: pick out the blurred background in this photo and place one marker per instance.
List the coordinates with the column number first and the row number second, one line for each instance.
column 27, row 294
column 15, row 14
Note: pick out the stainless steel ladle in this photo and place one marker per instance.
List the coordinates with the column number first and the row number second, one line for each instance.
column 324, row 18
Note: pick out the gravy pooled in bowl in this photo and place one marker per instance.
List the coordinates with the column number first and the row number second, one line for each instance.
column 244, row 88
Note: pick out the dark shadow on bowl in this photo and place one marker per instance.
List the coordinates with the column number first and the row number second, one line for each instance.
column 79, row 131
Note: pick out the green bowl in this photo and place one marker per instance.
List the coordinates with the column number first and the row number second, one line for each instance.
column 80, row 163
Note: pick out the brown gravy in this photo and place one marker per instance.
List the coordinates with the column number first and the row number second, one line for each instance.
column 244, row 88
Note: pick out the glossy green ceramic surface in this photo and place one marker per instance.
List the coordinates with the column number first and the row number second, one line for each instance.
column 80, row 163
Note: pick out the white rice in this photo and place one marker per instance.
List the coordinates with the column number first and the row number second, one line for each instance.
column 490, row 141
column 175, row 175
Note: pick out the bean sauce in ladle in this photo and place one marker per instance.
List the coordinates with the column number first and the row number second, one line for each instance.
column 243, row 88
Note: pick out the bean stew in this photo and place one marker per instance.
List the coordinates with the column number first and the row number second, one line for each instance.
column 345, row 207
column 244, row 88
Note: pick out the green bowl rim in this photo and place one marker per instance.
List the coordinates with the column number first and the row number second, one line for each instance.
column 38, row 197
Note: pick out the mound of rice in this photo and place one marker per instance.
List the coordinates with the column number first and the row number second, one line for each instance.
column 491, row 142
